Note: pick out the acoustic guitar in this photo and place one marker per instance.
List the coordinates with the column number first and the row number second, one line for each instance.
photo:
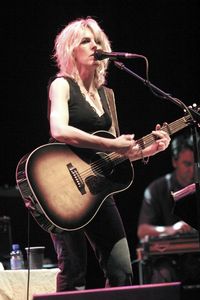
column 64, row 187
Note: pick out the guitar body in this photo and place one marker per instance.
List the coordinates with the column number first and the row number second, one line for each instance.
column 64, row 187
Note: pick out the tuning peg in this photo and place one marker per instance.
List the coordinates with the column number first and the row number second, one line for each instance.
column 194, row 105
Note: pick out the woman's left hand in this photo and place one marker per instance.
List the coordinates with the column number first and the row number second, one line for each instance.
column 161, row 143
column 162, row 140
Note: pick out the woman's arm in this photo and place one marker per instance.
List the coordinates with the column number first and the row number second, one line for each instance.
column 62, row 132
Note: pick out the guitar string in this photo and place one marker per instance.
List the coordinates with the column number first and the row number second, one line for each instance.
column 101, row 166
column 150, row 138
column 97, row 166
column 143, row 142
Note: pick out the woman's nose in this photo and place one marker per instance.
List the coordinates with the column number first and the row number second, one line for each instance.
column 94, row 44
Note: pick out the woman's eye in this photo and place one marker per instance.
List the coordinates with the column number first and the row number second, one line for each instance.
column 85, row 41
column 88, row 40
column 98, row 42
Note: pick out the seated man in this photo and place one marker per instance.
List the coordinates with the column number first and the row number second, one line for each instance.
column 157, row 218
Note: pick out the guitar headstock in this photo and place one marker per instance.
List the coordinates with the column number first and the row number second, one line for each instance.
column 194, row 111
column 194, row 106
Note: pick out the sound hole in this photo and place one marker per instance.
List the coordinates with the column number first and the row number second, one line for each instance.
column 101, row 164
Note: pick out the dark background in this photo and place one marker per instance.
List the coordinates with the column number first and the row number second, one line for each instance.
column 165, row 31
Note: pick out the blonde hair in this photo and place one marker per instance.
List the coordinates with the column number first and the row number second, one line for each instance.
column 69, row 38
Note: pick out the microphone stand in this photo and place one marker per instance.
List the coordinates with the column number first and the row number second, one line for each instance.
column 195, row 118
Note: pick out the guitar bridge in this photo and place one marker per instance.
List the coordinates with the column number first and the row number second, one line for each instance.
column 77, row 178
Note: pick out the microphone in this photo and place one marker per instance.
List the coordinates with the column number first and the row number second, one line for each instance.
column 99, row 55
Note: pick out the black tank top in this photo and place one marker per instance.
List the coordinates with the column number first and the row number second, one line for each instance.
column 82, row 115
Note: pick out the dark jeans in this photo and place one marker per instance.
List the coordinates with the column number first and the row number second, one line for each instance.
column 107, row 238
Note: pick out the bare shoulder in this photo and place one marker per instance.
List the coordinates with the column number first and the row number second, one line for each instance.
column 59, row 89
column 60, row 82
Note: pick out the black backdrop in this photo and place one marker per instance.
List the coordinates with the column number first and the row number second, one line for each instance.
column 165, row 31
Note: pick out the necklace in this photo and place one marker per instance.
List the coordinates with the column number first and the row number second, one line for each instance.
column 94, row 100
column 92, row 96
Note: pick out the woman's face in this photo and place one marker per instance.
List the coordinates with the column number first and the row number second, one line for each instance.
column 84, row 52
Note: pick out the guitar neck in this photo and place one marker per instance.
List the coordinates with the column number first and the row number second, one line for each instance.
column 149, row 139
column 171, row 128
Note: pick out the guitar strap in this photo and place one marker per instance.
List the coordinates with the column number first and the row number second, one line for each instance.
column 112, row 107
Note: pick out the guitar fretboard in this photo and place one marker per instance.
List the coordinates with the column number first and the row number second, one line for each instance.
column 169, row 128
column 150, row 138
